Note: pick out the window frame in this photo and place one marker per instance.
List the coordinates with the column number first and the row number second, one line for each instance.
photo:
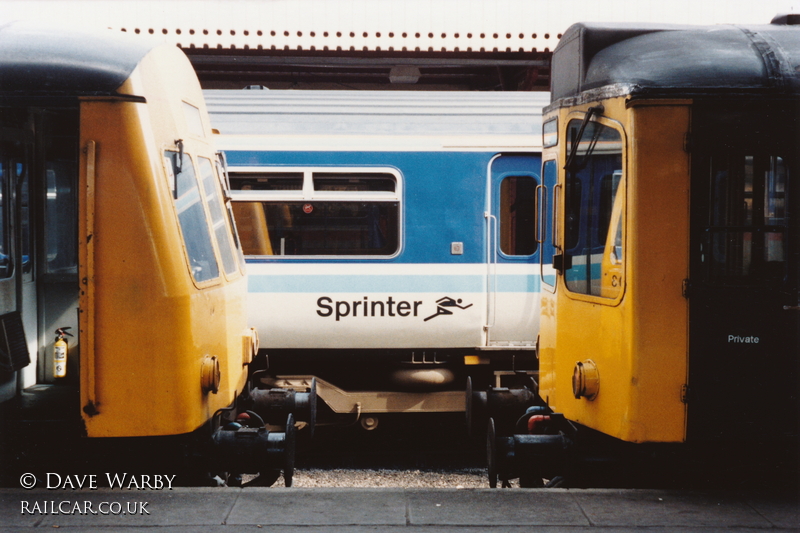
column 623, row 223
column 224, row 219
column 501, row 179
column 166, row 156
column 753, row 223
column 308, row 194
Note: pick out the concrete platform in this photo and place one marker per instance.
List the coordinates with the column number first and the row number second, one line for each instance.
column 412, row 510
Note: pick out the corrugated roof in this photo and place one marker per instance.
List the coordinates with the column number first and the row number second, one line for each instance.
column 441, row 113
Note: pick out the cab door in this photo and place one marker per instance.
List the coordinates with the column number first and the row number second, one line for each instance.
column 743, row 274
column 514, row 271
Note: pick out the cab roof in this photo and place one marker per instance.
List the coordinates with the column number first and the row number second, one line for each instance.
column 631, row 59
column 45, row 61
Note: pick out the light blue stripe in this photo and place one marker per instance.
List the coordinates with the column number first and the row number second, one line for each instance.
column 373, row 284
column 518, row 283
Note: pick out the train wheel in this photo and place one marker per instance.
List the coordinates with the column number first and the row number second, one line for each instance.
column 491, row 454
column 289, row 451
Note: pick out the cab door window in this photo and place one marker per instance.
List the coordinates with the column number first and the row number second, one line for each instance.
column 593, row 244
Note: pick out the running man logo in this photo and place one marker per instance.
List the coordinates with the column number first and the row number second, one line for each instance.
column 443, row 306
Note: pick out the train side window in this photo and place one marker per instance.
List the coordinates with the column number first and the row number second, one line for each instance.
column 272, row 181
column 517, row 215
column 317, row 213
column 213, row 192
column 593, row 244
column 330, row 228
column 331, row 181
column 192, row 217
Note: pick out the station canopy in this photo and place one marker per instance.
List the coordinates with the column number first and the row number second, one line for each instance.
column 485, row 45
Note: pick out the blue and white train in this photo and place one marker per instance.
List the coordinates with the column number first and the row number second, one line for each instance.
column 390, row 240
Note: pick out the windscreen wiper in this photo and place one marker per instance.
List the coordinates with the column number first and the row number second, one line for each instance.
column 593, row 111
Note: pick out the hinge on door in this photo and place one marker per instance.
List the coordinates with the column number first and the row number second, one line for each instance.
column 686, row 288
column 685, row 393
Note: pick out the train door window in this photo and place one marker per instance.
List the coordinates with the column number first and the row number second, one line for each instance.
column 192, row 217
column 592, row 243
column 61, row 204
column 309, row 212
column 24, row 199
column 747, row 220
column 517, row 215
column 222, row 233
column 10, row 167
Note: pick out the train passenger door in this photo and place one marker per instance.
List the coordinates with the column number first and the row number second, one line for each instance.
column 514, row 272
column 15, row 156
column 38, row 244
column 743, row 286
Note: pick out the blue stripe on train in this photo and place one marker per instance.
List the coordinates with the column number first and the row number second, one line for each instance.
column 382, row 284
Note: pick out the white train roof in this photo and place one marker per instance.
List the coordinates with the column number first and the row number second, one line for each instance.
column 376, row 120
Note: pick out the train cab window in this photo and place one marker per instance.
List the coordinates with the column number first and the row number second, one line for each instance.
column 747, row 220
column 222, row 171
column 517, row 215
column 326, row 213
column 593, row 243
column 192, row 216
column 213, row 193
